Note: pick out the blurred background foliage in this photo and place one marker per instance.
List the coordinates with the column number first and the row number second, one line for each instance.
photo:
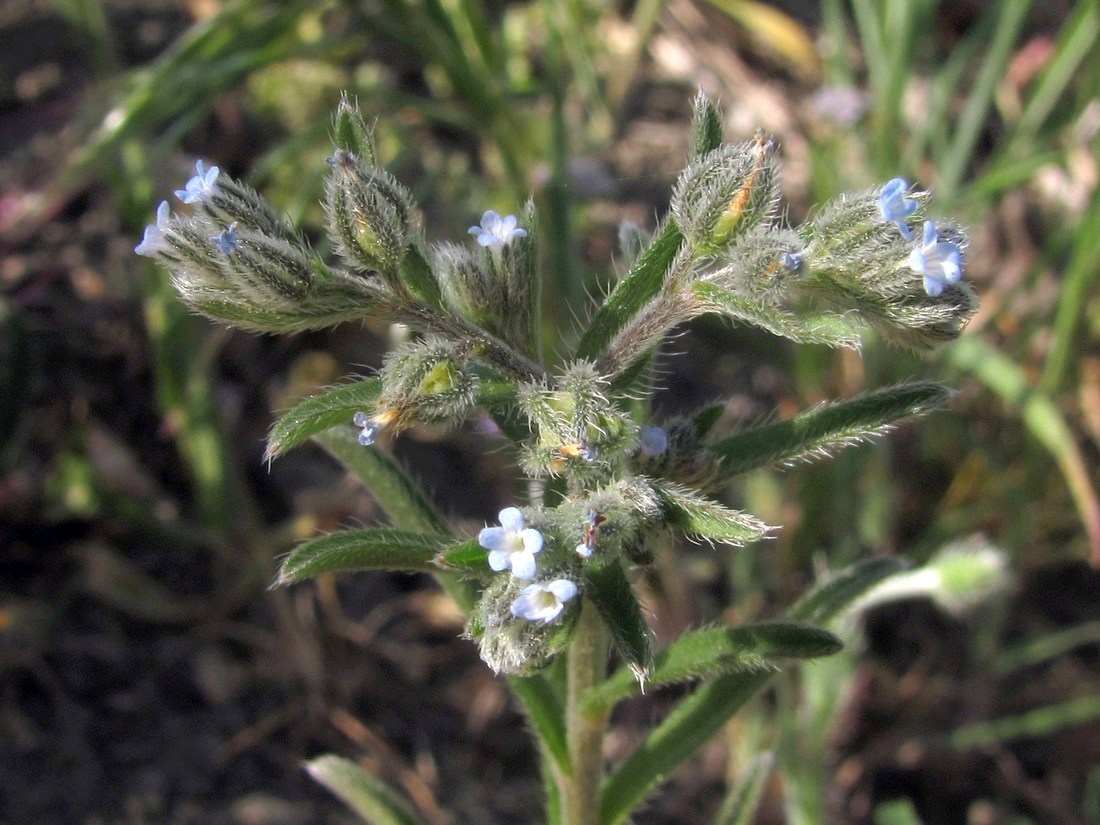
column 131, row 432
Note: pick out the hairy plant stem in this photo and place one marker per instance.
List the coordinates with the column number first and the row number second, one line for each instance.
column 580, row 789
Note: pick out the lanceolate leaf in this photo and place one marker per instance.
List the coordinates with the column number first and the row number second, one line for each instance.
column 609, row 589
column 632, row 293
column 830, row 329
column 712, row 652
column 372, row 548
column 544, row 711
column 394, row 491
column 702, row 713
column 706, row 519
column 826, row 428
column 321, row 412
column 367, row 795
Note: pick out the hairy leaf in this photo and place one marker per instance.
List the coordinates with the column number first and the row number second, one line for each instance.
column 703, row 518
column 715, row 651
column 319, row 413
column 826, row 428
column 609, row 589
column 371, row 548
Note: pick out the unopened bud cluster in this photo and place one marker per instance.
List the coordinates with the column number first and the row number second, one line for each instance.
column 874, row 257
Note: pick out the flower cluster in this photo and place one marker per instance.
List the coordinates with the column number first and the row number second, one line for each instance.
column 872, row 258
column 513, row 546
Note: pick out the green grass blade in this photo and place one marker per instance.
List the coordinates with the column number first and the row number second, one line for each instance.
column 827, row 428
column 1030, row 725
column 319, row 413
column 1043, row 420
column 829, row 597
column 739, row 806
column 951, row 166
column 371, row 548
column 367, row 795
column 398, row 495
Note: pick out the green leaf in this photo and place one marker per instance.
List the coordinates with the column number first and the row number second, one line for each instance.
column 609, row 589
column 716, row 651
column 633, row 292
column 829, row 597
column 319, row 413
column 829, row 427
column 696, row 719
column 371, row 548
column 693, row 722
column 466, row 558
column 544, row 710
column 367, row 795
column 739, row 806
column 829, row 329
column 704, row 420
column 397, row 494
column 703, row 518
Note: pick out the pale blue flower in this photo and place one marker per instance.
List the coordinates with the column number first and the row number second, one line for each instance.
column 652, row 441
column 543, row 601
column 497, row 231
column 368, row 432
column 511, row 545
column 895, row 207
column 227, row 240
column 791, row 261
column 153, row 240
column 940, row 262
column 201, row 186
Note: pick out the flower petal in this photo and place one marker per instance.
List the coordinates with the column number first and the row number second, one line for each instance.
column 511, row 519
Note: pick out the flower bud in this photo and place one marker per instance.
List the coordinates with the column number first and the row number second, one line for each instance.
column 725, row 193
column 580, row 433
column 351, row 134
column 370, row 215
column 425, row 382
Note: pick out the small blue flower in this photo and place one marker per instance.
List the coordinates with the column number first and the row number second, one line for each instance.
column 497, row 231
column 153, row 240
column 201, row 186
column 543, row 601
column 369, row 430
column 652, row 441
column 510, row 545
column 791, row 261
column 895, row 207
column 940, row 262
column 227, row 240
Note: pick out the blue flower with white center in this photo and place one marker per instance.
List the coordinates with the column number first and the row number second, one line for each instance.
column 895, row 207
column 940, row 262
column 227, row 240
column 201, row 186
column 153, row 241
column 543, row 601
column 368, row 432
column 652, row 441
column 511, row 545
column 497, row 231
